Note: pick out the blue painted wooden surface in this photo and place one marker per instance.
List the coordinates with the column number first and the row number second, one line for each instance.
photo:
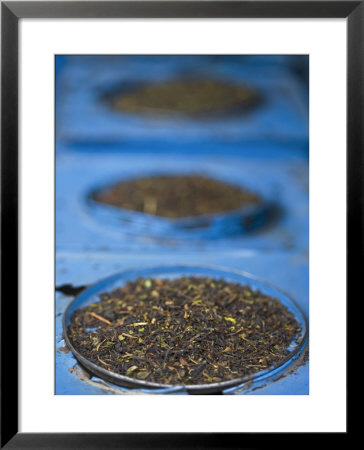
column 266, row 151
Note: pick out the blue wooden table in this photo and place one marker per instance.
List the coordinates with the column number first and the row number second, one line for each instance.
column 265, row 151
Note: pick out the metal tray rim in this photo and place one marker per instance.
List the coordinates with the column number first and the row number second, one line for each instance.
column 125, row 381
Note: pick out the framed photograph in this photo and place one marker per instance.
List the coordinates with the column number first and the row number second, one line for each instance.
column 181, row 220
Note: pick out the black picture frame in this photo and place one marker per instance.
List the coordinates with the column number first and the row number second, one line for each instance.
column 11, row 12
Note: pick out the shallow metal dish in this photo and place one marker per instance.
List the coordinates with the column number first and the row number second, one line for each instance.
column 113, row 93
column 240, row 221
column 91, row 295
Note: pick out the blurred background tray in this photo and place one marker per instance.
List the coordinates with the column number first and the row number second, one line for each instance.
column 83, row 117
column 283, row 181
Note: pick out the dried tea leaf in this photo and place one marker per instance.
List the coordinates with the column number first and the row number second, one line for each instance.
column 173, row 338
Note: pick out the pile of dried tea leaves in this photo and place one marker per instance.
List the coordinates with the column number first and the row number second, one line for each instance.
column 176, row 196
column 198, row 97
column 190, row 330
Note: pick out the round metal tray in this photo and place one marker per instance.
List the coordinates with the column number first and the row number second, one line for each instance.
column 114, row 92
column 208, row 226
column 91, row 295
